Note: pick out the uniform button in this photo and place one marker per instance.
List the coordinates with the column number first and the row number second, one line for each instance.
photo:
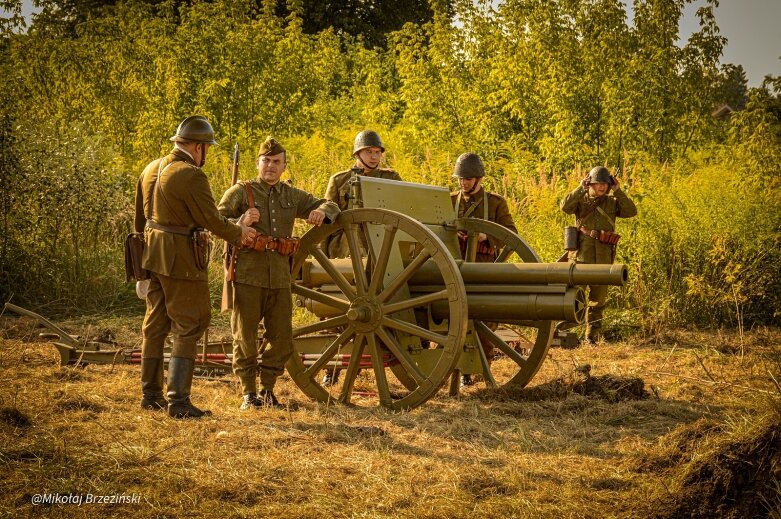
column 272, row 210
column 275, row 228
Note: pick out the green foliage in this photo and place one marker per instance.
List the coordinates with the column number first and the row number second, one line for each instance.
column 542, row 90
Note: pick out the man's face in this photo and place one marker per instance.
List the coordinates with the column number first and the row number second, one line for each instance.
column 370, row 158
column 271, row 167
column 597, row 189
column 469, row 185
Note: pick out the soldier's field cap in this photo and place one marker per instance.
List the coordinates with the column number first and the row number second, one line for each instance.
column 270, row 146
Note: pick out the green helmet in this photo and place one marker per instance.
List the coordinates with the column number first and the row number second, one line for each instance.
column 599, row 175
column 195, row 128
column 367, row 139
column 469, row 165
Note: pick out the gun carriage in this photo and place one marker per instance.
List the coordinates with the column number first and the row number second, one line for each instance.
column 406, row 312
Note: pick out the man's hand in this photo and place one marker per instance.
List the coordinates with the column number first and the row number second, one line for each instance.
column 482, row 237
column 251, row 216
column 584, row 183
column 247, row 236
column 613, row 183
column 316, row 217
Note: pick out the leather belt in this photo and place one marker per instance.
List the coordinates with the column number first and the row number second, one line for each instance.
column 186, row 231
column 591, row 233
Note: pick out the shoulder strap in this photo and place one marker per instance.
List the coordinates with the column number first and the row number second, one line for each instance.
column 471, row 210
column 603, row 213
column 250, row 196
column 590, row 210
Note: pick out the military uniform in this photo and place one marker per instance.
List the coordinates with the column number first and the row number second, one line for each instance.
column 173, row 198
column 338, row 191
column 262, row 282
column 486, row 206
column 596, row 215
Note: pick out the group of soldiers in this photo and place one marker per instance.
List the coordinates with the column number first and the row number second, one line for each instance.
column 174, row 200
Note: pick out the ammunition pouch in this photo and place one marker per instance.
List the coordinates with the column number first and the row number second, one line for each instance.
column 134, row 253
column 202, row 248
column 283, row 246
column 606, row 237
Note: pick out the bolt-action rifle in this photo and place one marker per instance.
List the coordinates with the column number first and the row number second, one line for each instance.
column 230, row 251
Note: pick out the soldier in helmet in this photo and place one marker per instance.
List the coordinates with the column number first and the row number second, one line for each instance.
column 596, row 204
column 367, row 152
column 173, row 199
column 261, row 286
column 472, row 201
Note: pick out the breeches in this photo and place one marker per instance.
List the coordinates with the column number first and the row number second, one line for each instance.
column 181, row 307
column 275, row 307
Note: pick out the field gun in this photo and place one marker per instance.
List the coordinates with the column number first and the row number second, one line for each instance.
column 404, row 312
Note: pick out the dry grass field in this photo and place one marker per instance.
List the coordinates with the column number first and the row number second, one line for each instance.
column 681, row 425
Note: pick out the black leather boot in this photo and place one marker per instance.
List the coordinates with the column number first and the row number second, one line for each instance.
column 152, row 385
column 266, row 396
column 180, row 380
column 466, row 380
column 251, row 401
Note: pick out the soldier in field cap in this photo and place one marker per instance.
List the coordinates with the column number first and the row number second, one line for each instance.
column 261, row 286
column 174, row 201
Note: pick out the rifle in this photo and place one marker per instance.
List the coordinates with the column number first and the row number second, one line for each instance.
column 230, row 251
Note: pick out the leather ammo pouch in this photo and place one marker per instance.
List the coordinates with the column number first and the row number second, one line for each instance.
column 609, row 237
column 134, row 252
column 284, row 246
column 202, row 248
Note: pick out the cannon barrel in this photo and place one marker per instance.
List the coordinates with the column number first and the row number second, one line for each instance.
column 488, row 302
column 570, row 274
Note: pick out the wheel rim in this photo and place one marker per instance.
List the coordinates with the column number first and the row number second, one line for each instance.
column 522, row 366
column 367, row 315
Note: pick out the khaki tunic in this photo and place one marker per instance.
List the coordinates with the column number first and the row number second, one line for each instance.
column 178, row 299
column 337, row 191
column 262, row 286
column 590, row 250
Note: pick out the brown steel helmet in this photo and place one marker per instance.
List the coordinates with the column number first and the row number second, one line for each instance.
column 195, row 128
column 468, row 165
column 599, row 175
column 367, row 139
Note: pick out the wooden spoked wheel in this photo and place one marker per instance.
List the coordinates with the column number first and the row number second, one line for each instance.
column 518, row 364
column 366, row 315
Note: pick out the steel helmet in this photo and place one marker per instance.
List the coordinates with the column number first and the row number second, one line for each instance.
column 367, row 139
column 195, row 128
column 469, row 165
column 599, row 175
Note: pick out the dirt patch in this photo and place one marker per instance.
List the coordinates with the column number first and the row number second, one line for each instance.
column 677, row 446
column 604, row 387
column 740, row 479
column 13, row 417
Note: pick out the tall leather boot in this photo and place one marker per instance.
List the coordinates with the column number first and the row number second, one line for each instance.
column 180, row 381
column 152, row 385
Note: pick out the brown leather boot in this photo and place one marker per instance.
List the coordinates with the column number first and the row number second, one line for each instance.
column 152, row 385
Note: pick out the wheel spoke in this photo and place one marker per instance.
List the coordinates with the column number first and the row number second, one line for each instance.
column 471, row 247
column 382, row 259
column 414, row 302
column 414, row 329
column 355, row 256
column 335, row 275
column 352, row 368
column 319, row 326
column 502, row 257
column 379, row 371
column 489, row 377
column 404, row 359
column 404, row 276
column 320, row 297
column 329, row 352
column 499, row 343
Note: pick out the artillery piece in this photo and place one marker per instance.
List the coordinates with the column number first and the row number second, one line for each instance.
column 409, row 312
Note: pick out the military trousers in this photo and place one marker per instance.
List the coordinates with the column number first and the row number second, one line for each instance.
column 177, row 306
column 275, row 308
